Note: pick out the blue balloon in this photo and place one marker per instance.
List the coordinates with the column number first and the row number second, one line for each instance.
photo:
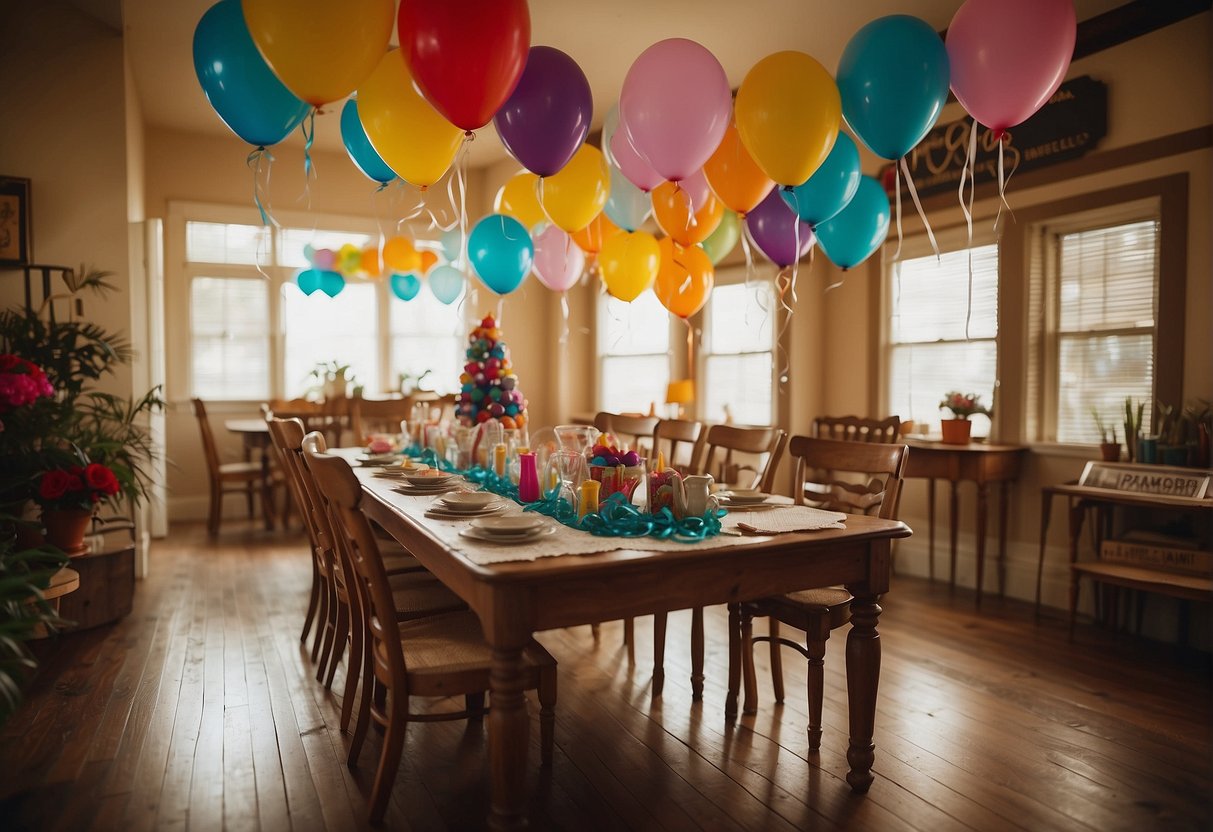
column 627, row 206
column 238, row 83
column 893, row 79
column 309, row 280
column 446, row 282
column 331, row 283
column 501, row 252
column 853, row 234
column 451, row 242
column 358, row 145
column 405, row 286
column 830, row 188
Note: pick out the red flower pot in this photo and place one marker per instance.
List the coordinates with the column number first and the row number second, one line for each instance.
column 955, row 431
column 66, row 527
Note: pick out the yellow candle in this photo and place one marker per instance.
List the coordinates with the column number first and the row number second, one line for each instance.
column 660, row 461
column 589, row 498
column 499, row 459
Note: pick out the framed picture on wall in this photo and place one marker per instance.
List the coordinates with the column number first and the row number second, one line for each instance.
column 16, row 237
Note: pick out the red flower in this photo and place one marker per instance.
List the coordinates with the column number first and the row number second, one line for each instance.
column 54, row 485
column 101, row 478
column 74, row 483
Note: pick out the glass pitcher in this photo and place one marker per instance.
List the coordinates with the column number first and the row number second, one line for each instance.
column 578, row 438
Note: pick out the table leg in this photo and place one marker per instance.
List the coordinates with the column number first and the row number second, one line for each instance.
column 1078, row 512
column 509, row 739
column 730, row 700
column 931, row 528
column 1046, row 512
column 267, row 490
column 954, row 526
column 697, row 653
column 983, row 498
column 1003, row 501
column 863, row 680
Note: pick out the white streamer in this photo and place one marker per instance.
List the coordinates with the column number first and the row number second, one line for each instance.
column 905, row 167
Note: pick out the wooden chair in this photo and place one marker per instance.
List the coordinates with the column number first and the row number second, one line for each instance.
column 721, row 443
column 857, row 429
column 369, row 416
column 282, row 434
column 328, row 417
column 439, row 656
column 227, row 477
column 634, row 430
column 674, row 435
column 819, row 462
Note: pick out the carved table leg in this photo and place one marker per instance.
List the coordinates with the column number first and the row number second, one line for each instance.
column 730, row 700
column 863, row 680
column 508, row 739
column 954, row 527
column 697, row 653
column 1003, row 503
column 983, row 499
column 931, row 528
column 659, row 627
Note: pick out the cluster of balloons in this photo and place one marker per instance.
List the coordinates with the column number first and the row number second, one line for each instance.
column 402, row 263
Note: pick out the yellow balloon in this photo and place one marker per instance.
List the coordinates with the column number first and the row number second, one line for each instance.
column 788, row 112
column 574, row 196
column 319, row 49
column 405, row 129
column 629, row 261
column 400, row 255
column 517, row 198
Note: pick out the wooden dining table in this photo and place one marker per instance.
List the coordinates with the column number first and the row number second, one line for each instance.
column 514, row 600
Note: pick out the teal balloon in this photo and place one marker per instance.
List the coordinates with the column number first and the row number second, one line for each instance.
column 501, row 252
column 364, row 156
column 405, row 286
column 451, row 242
column 893, row 78
column 855, row 232
column 309, row 280
column 830, row 188
column 446, row 282
column 724, row 239
column 238, row 83
column 627, row 206
column 331, row 283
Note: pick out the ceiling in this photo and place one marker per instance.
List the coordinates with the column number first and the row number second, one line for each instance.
column 603, row 36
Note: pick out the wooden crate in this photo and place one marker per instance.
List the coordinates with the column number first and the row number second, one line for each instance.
column 107, row 589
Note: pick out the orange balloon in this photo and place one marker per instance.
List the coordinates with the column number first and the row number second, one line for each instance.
column 734, row 175
column 428, row 260
column 370, row 263
column 591, row 238
column 672, row 210
column 399, row 255
column 685, row 278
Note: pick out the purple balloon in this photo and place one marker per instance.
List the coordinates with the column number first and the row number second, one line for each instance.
column 545, row 120
column 774, row 228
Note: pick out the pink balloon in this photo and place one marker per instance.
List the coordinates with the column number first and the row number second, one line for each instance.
column 1007, row 59
column 675, row 106
column 324, row 258
column 558, row 260
column 634, row 169
column 696, row 188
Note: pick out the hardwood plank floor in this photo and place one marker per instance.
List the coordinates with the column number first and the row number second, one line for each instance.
column 201, row 711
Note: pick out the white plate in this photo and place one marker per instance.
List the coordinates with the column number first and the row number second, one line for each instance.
column 413, row 491
column 465, row 500
column 743, row 496
column 424, row 480
column 378, row 459
column 478, row 534
column 509, row 526
column 439, row 513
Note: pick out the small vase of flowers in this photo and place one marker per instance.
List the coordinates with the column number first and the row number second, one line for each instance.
column 68, row 497
column 957, row 430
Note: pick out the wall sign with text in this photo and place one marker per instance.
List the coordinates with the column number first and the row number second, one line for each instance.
column 1155, row 480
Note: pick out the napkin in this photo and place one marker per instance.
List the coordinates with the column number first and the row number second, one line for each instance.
column 794, row 519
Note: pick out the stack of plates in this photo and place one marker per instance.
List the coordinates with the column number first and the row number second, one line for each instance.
column 744, row 499
column 461, row 505
column 420, row 484
column 378, row 459
column 407, row 468
column 514, row 528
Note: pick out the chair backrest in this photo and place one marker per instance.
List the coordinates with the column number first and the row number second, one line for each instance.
column 876, row 471
column 342, row 495
column 209, row 449
column 765, row 444
column 328, row 416
column 629, row 429
column 672, row 435
column 287, row 437
column 369, row 416
column 857, row 428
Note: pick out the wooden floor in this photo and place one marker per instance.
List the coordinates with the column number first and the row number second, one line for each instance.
column 199, row 711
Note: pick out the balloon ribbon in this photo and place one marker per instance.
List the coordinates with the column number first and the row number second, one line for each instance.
column 254, row 162
column 969, row 171
column 905, row 167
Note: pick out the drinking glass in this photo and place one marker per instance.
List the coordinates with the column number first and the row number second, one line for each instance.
column 579, row 438
column 564, row 473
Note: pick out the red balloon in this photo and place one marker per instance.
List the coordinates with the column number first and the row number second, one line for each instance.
column 466, row 56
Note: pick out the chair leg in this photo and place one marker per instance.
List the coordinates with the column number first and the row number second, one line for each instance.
column 776, row 660
column 330, row 630
column 248, row 497
column 353, row 669
column 659, row 626
column 363, row 720
column 341, row 633
column 322, row 616
column 313, row 603
column 749, row 703
column 474, row 702
column 216, row 510
column 817, row 653
column 697, row 654
column 389, row 762
column 629, row 638
column 594, row 631
column 547, row 714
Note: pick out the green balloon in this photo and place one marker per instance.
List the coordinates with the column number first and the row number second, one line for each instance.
column 724, row 238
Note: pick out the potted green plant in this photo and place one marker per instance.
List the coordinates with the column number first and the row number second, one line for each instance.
column 332, row 381
column 957, row 430
column 1109, row 448
column 1133, row 437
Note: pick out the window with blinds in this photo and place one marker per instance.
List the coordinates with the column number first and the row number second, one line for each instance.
column 1105, row 290
column 939, row 341
column 634, row 354
column 428, row 335
column 230, row 350
column 348, row 330
column 738, row 355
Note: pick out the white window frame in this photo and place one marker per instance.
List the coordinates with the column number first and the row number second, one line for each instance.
column 602, row 400
column 732, row 276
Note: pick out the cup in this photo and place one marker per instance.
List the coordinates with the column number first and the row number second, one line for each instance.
column 564, row 474
column 579, row 438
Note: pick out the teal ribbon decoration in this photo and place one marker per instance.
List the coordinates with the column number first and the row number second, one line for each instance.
column 616, row 516
column 309, row 137
column 254, row 161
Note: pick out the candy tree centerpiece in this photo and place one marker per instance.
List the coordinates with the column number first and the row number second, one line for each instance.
column 489, row 386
